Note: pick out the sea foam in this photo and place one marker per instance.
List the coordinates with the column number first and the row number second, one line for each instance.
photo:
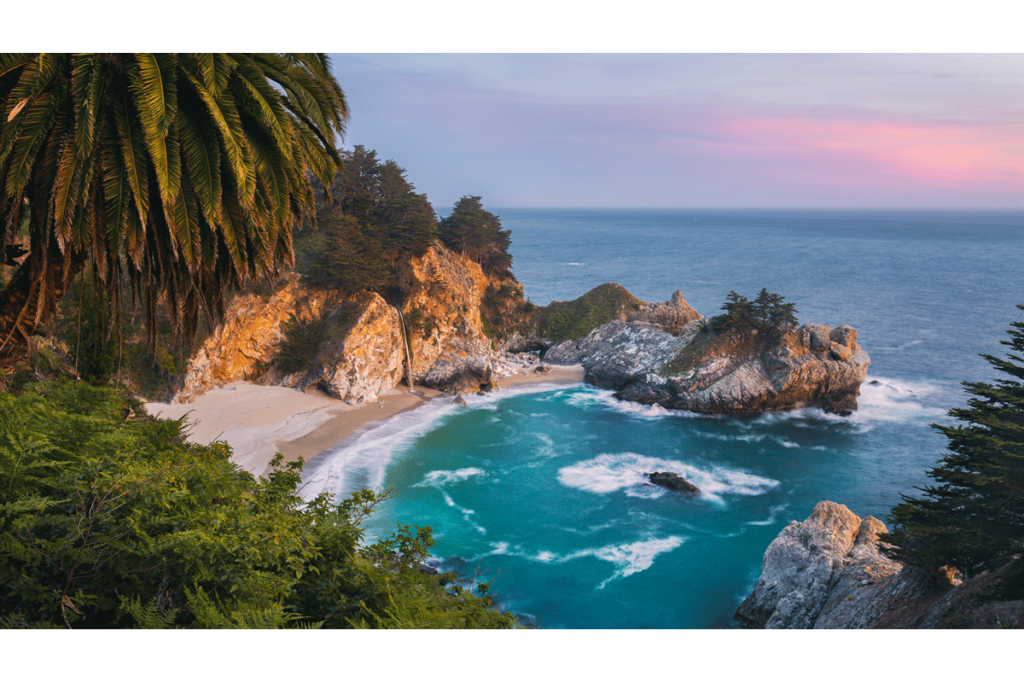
column 628, row 558
column 612, row 472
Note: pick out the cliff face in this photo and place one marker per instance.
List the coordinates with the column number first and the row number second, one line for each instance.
column 661, row 354
column 352, row 348
column 831, row 571
column 442, row 309
column 249, row 337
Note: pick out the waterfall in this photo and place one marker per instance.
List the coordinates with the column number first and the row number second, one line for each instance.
column 408, row 355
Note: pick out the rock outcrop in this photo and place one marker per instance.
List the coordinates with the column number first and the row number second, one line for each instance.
column 442, row 292
column 671, row 316
column 691, row 368
column 673, row 482
column 250, row 336
column 828, row 572
column 831, row 571
column 651, row 353
column 362, row 355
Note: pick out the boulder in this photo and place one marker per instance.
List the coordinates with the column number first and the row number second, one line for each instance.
column 844, row 335
column 461, row 375
column 673, row 482
column 671, row 316
column 543, row 370
column 815, row 337
column 829, row 571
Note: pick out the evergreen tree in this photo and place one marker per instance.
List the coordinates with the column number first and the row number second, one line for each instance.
column 477, row 233
column 973, row 518
column 375, row 221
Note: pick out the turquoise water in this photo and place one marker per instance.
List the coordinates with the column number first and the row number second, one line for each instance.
column 542, row 489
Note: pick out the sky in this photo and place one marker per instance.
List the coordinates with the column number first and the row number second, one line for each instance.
column 695, row 130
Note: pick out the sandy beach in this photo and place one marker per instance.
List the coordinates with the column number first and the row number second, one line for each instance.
column 259, row 421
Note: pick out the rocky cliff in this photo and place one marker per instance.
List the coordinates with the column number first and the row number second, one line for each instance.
column 831, row 571
column 444, row 327
column 665, row 354
column 353, row 347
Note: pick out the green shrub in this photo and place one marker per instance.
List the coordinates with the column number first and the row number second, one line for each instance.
column 108, row 519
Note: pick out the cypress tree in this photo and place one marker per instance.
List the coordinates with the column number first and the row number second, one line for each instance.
column 973, row 517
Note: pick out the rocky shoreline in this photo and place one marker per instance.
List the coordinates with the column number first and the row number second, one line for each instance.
column 653, row 353
column 831, row 571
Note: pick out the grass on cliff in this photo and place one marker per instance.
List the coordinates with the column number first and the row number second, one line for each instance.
column 572, row 320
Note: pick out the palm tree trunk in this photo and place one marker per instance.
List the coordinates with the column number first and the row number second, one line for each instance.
column 32, row 295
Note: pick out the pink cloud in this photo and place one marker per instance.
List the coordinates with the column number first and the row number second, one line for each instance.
column 941, row 155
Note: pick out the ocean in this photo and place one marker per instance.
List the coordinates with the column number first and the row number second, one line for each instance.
column 540, row 489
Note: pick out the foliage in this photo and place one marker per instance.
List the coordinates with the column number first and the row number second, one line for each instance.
column 477, row 233
column 768, row 314
column 184, row 173
column 303, row 339
column 107, row 338
column 973, row 517
column 376, row 220
column 562, row 320
column 112, row 520
column 503, row 309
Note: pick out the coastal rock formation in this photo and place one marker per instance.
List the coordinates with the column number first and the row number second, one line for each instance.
column 692, row 368
column 356, row 347
column 827, row 572
column 672, row 315
column 250, row 336
column 353, row 347
column 361, row 357
column 442, row 292
column 831, row 571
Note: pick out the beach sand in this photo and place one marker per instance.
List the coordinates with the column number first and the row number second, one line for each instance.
column 259, row 421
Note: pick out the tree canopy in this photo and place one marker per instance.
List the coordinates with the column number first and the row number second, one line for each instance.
column 768, row 313
column 186, row 173
column 477, row 233
column 973, row 516
column 375, row 219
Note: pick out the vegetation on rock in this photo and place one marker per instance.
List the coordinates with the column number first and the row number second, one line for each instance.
column 476, row 233
column 768, row 314
column 573, row 320
column 973, row 517
column 375, row 220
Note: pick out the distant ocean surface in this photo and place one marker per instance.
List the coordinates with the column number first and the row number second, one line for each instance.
column 541, row 489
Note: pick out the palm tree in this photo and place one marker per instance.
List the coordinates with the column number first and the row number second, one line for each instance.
column 184, row 173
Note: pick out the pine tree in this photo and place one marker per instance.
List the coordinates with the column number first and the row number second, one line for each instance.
column 973, row 518
column 477, row 233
